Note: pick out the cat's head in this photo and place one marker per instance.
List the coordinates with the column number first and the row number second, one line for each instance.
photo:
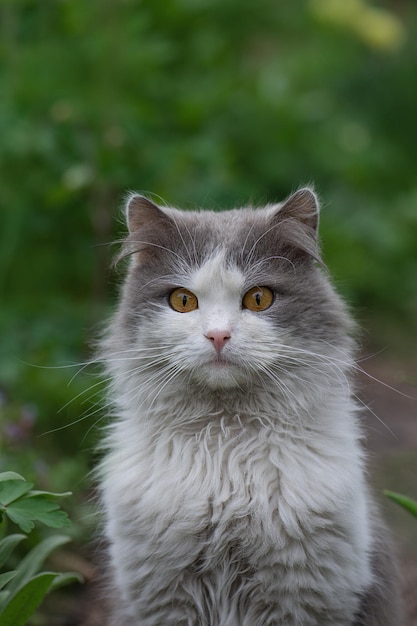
column 227, row 299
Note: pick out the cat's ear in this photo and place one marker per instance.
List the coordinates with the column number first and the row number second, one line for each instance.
column 298, row 219
column 303, row 206
column 140, row 212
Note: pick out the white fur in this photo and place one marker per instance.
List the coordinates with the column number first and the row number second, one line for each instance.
column 233, row 496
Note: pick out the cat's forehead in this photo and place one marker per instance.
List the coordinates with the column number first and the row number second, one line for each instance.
column 218, row 274
column 222, row 226
column 232, row 234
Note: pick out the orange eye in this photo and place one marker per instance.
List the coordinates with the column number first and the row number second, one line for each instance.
column 258, row 299
column 183, row 301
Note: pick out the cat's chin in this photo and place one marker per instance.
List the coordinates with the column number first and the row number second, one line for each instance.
column 220, row 375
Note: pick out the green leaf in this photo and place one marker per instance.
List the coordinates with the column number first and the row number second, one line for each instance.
column 66, row 579
column 23, row 604
column 46, row 510
column 21, row 518
column 32, row 562
column 10, row 476
column 7, row 546
column 37, row 508
column 50, row 494
column 11, row 490
column 408, row 504
column 6, row 578
column 4, row 596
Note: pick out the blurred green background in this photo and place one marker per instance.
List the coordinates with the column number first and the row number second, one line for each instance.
column 212, row 103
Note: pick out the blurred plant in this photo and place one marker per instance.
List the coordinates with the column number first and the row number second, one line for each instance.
column 377, row 27
column 44, row 457
column 405, row 502
column 23, row 589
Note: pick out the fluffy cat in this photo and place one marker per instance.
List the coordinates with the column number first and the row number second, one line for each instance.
column 233, row 476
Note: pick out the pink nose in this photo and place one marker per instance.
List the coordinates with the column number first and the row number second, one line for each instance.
column 218, row 338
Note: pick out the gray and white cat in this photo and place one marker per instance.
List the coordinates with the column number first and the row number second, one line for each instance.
column 233, row 479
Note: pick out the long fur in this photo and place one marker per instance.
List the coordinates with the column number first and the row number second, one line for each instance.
column 234, row 487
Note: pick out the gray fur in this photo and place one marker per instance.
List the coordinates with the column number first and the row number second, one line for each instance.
column 234, row 485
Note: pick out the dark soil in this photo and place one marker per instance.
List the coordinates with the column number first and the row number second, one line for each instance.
column 390, row 393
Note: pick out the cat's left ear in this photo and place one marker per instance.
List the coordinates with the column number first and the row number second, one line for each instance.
column 303, row 206
column 297, row 219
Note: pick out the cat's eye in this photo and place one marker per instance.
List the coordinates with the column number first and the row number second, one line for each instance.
column 183, row 301
column 258, row 299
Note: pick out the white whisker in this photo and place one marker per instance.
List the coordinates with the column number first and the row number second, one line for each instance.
column 368, row 408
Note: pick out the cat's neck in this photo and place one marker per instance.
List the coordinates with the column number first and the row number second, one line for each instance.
column 192, row 409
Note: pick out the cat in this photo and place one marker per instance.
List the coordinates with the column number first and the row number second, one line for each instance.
column 233, row 478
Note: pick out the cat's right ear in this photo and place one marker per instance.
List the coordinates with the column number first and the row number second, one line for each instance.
column 140, row 212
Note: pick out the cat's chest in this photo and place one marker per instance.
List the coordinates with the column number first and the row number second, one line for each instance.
column 239, row 472
column 237, row 489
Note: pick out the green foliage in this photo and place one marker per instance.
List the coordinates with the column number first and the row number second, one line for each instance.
column 206, row 103
column 406, row 503
column 23, row 506
column 26, row 600
column 23, row 589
